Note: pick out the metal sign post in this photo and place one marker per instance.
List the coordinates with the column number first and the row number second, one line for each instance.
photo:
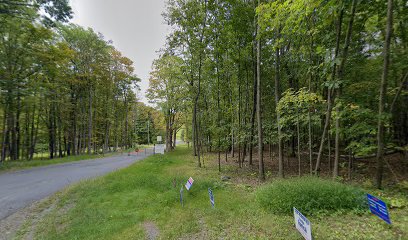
column 210, row 193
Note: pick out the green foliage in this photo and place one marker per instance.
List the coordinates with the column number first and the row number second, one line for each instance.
column 311, row 196
column 360, row 128
column 299, row 107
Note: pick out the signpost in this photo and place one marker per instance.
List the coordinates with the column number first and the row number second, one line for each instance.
column 379, row 208
column 210, row 193
column 302, row 224
column 159, row 139
column 189, row 183
column 181, row 197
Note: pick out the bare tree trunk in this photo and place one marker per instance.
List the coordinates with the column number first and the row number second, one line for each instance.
column 298, row 140
column 329, row 149
column 90, row 123
column 277, row 98
column 174, row 138
column 253, row 114
column 340, row 77
column 4, row 140
column 310, row 141
column 329, row 94
column 34, row 137
column 259, row 109
column 383, row 95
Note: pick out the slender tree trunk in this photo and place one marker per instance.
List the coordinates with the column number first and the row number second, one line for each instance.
column 90, row 122
column 174, row 138
column 17, row 129
column 298, row 140
column 383, row 95
column 329, row 94
column 5, row 133
column 33, row 141
column 309, row 128
column 277, row 98
column 253, row 114
column 340, row 77
column 258, row 107
column 51, row 141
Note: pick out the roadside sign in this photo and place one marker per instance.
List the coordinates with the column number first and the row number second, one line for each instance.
column 159, row 138
column 181, row 197
column 302, row 224
column 189, row 183
column 210, row 193
column 379, row 208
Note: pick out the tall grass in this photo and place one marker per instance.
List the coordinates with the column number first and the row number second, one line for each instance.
column 311, row 196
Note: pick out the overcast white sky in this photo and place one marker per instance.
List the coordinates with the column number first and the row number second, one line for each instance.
column 136, row 28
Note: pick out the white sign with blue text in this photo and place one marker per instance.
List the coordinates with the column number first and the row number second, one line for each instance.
column 189, row 183
column 302, row 224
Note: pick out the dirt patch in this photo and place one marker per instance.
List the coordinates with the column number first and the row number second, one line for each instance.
column 152, row 232
column 23, row 223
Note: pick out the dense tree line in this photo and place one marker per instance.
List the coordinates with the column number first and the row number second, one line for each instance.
column 64, row 89
column 304, row 76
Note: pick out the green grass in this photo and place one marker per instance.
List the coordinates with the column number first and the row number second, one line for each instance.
column 116, row 206
column 17, row 165
column 311, row 195
column 44, row 161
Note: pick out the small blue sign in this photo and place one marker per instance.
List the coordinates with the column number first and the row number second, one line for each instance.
column 379, row 208
column 211, row 196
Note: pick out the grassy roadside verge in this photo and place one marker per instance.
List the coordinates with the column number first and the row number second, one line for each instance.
column 19, row 165
column 127, row 203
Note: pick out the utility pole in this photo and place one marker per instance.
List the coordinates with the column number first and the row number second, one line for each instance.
column 148, row 131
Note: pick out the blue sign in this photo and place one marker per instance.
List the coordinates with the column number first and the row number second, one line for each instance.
column 379, row 208
column 211, row 196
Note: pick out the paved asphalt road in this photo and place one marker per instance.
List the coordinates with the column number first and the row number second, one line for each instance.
column 21, row 188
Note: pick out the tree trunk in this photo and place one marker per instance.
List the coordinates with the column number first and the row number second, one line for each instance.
column 340, row 77
column 90, row 123
column 383, row 95
column 277, row 98
column 258, row 107
column 253, row 114
column 298, row 140
column 329, row 94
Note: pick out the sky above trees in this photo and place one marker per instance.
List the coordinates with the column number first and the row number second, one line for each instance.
column 136, row 28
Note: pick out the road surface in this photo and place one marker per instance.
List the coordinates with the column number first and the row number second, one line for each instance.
column 21, row 188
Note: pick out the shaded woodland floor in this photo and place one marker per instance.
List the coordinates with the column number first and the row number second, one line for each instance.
column 362, row 170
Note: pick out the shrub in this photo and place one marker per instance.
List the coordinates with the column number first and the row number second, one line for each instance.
column 311, row 196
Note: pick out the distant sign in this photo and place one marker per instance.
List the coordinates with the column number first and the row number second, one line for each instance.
column 302, row 224
column 210, row 193
column 181, row 197
column 379, row 208
column 159, row 138
column 189, row 183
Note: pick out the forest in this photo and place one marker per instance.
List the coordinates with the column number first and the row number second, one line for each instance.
column 64, row 89
column 315, row 85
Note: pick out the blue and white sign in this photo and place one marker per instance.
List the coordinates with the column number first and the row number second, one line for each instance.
column 302, row 224
column 379, row 208
column 210, row 193
column 189, row 183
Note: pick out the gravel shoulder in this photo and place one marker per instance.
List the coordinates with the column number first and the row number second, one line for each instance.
column 20, row 189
